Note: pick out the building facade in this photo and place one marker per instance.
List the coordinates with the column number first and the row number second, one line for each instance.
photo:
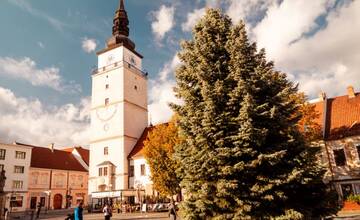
column 339, row 118
column 57, row 178
column 15, row 160
column 119, row 112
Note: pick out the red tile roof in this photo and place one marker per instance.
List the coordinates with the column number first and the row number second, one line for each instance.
column 140, row 143
column 84, row 153
column 342, row 116
column 42, row 157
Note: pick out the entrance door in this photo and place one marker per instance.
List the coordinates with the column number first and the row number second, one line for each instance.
column 33, row 203
column 57, row 201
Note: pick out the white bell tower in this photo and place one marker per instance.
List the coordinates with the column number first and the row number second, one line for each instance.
column 118, row 108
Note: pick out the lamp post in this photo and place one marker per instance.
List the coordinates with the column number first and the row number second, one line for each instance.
column 48, row 193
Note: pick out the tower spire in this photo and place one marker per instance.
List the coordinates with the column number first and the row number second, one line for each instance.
column 121, row 6
column 120, row 30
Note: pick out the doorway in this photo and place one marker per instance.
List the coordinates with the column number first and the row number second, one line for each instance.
column 57, row 201
column 33, row 203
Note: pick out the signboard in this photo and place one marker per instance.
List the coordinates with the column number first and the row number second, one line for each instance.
column 110, row 194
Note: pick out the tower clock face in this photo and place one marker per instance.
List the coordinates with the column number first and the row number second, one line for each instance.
column 110, row 59
column 106, row 113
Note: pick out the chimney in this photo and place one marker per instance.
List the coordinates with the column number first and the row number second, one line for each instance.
column 322, row 96
column 350, row 91
column 52, row 147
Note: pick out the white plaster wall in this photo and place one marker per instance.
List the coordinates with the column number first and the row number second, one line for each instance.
column 116, row 53
column 138, row 179
column 9, row 163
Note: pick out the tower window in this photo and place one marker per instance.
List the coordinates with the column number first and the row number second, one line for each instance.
column 105, row 171
column 106, row 150
column 135, row 87
column 100, row 171
column 107, row 86
column 107, row 101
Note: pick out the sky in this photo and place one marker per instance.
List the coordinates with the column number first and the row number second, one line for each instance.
column 48, row 49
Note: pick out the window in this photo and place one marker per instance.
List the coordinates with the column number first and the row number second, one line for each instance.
column 131, row 171
column 135, row 87
column 100, row 171
column 19, row 169
column 107, row 86
column 2, row 154
column 16, row 201
column 142, row 168
column 358, row 150
column 105, row 171
column 106, row 150
column 20, row 155
column 346, row 190
column 340, row 158
column 1, row 167
column 17, row 184
column 106, row 101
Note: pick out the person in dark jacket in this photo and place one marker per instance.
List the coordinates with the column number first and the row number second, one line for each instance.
column 38, row 209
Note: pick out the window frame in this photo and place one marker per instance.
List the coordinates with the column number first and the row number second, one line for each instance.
column 338, row 158
column 16, row 169
column 106, row 150
column 2, row 154
column 142, row 170
column 17, row 184
column 20, row 155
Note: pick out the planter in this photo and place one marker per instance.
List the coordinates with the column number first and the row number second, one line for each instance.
column 349, row 206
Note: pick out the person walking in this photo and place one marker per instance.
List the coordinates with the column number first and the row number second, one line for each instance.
column 172, row 211
column 107, row 212
column 78, row 212
column 38, row 210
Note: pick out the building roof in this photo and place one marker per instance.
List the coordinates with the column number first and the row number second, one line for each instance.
column 42, row 157
column 137, row 149
column 342, row 116
column 84, row 153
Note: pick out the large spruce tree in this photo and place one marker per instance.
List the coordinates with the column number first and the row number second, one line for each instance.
column 243, row 156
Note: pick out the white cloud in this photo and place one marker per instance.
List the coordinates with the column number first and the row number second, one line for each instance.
column 25, row 5
column 320, row 58
column 161, row 93
column 163, row 21
column 247, row 10
column 192, row 19
column 29, row 121
column 26, row 69
column 88, row 45
column 41, row 44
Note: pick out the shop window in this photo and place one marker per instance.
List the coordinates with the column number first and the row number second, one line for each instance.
column 16, row 201
column 340, row 158
column 131, row 171
column 142, row 168
column 2, row 154
column 346, row 190
column 20, row 155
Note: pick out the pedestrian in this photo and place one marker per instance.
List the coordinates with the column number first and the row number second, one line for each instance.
column 172, row 211
column 38, row 209
column 107, row 212
column 78, row 212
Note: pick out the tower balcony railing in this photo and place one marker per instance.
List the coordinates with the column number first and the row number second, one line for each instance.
column 117, row 65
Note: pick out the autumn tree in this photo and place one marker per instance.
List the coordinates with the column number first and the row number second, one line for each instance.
column 158, row 151
column 243, row 156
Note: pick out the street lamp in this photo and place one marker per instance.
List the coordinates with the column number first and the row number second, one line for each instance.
column 48, row 193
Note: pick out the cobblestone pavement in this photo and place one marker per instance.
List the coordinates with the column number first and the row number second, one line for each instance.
column 137, row 216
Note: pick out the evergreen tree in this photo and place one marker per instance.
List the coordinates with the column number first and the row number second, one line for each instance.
column 243, row 156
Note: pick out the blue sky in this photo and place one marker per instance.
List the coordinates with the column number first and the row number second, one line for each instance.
column 47, row 51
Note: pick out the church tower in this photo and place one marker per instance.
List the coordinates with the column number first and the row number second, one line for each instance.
column 119, row 112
